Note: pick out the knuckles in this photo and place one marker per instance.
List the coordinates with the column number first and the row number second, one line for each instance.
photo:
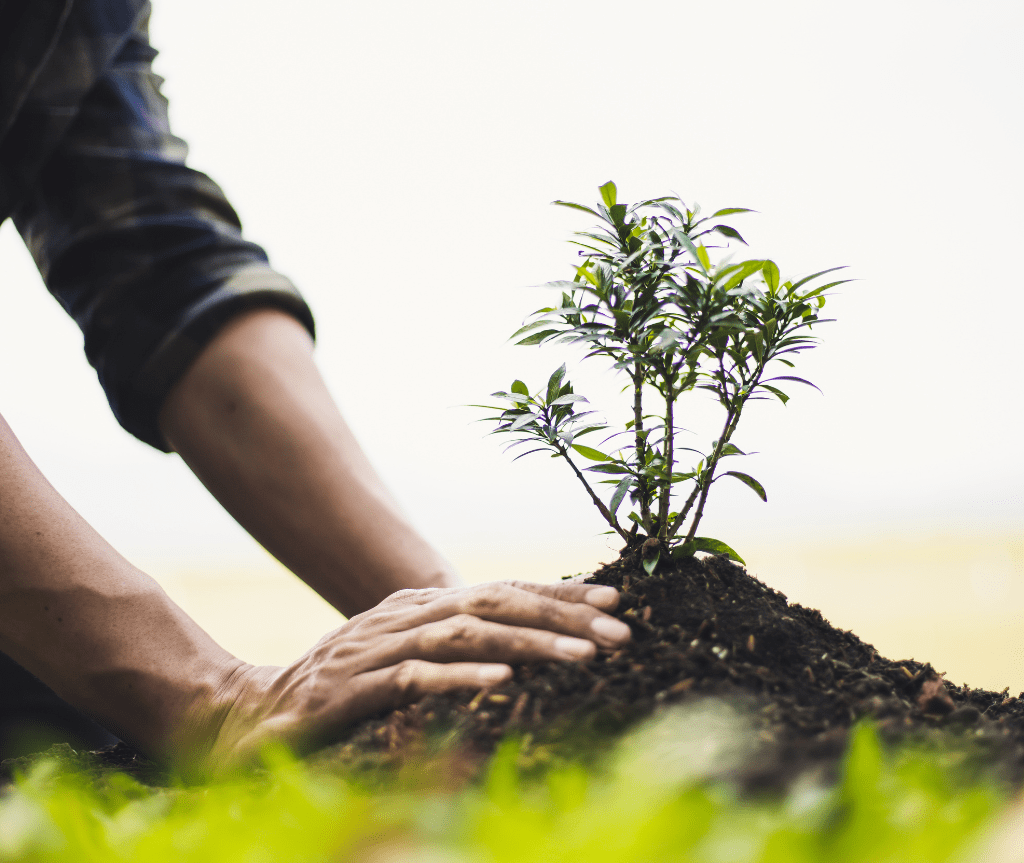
column 404, row 595
column 452, row 633
column 460, row 628
column 489, row 599
column 408, row 676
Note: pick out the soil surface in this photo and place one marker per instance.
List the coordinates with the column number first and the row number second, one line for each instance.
column 701, row 628
column 705, row 628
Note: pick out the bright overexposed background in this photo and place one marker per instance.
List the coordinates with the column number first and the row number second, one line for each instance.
column 397, row 160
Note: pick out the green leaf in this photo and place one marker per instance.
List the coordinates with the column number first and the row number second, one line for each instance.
column 690, row 247
column 609, row 194
column 758, row 343
column 531, row 452
column 523, row 421
column 583, row 271
column 531, row 326
column 795, row 378
column 749, row 481
column 518, row 398
column 567, row 399
column 521, row 388
column 741, row 272
column 537, row 338
column 606, row 467
column 620, row 492
column 590, row 452
column 573, row 206
column 731, row 233
column 715, row 546
column 779, row 394
column 813, row 276
column 771, row 275
column 652, row 562
column 555, row 383
column 561, row 285
column 728, row 211
column 702, row 255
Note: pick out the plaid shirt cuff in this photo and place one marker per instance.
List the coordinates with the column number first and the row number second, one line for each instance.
column 137, row 400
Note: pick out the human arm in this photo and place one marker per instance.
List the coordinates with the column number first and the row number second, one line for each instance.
column 255, row 422
column 108, row 639
column 147, row 255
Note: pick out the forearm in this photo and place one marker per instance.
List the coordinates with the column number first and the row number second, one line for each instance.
column 255, row 422
column 101, row 633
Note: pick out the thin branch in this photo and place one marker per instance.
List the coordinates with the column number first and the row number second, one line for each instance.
column 704, row 484
column 641, row 446
column 709, row 473
column 670, row 434
column 563, row 452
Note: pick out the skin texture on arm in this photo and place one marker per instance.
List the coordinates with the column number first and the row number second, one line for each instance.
column 101, row 633
column 107, row 638
column 255, row 422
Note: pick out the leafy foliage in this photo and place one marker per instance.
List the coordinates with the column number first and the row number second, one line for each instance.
column 656, row 298
column 911, row 806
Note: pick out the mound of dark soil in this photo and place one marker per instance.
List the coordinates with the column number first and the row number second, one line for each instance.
column 701, row 628
column 706, row 628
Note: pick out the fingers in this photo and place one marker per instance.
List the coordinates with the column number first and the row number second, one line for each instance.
column 411, row 680
column 598, row 595
column 465, row 638
column 364, row 695
column 392, row 687
column 436, row 640
column 572, row 590
column 514, row 606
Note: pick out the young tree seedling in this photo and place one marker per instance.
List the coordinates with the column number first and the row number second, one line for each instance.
column 657, row 299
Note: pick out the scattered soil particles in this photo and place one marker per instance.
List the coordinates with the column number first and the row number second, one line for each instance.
column 701, row 628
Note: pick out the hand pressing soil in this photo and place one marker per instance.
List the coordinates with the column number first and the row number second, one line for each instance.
column 706, row 628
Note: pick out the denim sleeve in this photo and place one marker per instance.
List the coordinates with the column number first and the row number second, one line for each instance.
column 143, row 252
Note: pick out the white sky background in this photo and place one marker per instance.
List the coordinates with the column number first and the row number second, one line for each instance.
column 397, row 160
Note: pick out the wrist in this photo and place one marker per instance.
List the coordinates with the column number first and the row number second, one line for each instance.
column 228, row 699
column 229, row 729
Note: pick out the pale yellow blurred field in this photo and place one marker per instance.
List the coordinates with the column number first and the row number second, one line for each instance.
column 954, row 601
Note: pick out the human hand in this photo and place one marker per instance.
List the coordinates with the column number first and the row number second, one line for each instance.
column 413, row 643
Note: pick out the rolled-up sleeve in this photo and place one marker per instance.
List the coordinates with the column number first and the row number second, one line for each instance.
column 145, row 253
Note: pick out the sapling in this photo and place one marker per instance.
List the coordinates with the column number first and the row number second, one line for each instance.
column 656, row 296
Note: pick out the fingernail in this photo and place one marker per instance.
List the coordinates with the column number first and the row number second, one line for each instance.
column 601, row 596
column 492, row 674
column 574, row 648
column 610, row 629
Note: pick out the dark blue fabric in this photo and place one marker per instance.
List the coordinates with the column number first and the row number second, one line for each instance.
column 143, row 252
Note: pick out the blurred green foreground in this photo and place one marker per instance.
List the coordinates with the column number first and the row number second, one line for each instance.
column 662, row 796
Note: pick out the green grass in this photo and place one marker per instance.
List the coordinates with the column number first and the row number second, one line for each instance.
column 651, row 800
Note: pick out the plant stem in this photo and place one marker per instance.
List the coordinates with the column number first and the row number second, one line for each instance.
column 732, row 419
column 684, row 511
column 564, row 453
column 704, row 486
column 666, row 492
column 641, row 446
